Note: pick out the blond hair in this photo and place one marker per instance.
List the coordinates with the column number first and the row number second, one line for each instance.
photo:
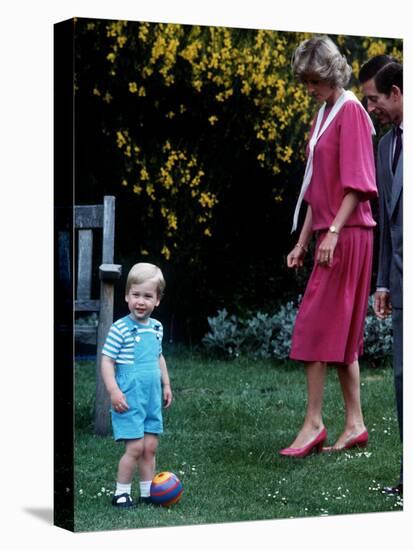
column 320, row 56
column 142, row 272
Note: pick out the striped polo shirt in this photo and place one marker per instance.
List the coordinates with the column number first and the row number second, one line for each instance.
column 119, row 344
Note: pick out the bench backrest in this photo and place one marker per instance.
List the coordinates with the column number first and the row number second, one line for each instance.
column 88, row 218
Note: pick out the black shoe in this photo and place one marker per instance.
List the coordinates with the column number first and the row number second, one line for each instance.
column 145, row 500
column 397, row 490
column 123, row 501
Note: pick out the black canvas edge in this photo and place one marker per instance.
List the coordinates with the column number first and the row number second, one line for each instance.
column 63, row 173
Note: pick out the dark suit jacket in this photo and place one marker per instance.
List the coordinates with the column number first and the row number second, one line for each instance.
column 390, row 187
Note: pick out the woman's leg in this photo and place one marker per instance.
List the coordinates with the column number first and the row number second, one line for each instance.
column 349, row 377
column 313, row 422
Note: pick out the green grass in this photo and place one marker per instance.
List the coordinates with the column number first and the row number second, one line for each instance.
column 221, row 438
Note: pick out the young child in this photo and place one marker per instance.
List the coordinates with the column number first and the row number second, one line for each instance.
column 135, row 375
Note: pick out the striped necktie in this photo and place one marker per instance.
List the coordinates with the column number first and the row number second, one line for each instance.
column 398, row 132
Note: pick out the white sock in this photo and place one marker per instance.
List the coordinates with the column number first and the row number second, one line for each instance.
column 145, row 488
column 123, row 488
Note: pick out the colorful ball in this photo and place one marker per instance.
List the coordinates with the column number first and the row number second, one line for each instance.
column 166, row 489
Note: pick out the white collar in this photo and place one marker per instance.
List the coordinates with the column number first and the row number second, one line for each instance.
column 347, row 95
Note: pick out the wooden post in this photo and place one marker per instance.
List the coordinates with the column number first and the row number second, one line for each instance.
column 109, row 273
column 102, row 400
column 108, row 230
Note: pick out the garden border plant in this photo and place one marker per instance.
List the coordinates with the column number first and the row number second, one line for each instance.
column 259, row 335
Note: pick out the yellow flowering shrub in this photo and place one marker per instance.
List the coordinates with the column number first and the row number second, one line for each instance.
column 177, row 94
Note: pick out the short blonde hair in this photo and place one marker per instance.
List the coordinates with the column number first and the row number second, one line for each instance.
column 142, row 272
column 320, row 56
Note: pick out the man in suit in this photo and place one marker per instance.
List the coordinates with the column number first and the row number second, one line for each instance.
column 384, row 93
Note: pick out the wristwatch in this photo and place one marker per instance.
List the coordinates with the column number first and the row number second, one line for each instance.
column 333, row 229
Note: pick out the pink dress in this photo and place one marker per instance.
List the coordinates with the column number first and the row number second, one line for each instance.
column 330, row 322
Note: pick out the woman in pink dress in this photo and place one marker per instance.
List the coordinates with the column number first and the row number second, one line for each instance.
column 338, row 183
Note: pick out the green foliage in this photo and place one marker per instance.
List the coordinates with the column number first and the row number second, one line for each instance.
column 378, row 337
column 200, row 134
column 257, row 336
column 225, row 337
column 263, row 336
column 176, row 99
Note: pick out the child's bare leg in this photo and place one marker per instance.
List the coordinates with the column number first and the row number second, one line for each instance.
column 128, row 462
column 146, row 463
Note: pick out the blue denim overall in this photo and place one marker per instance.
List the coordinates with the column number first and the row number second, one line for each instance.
column 141, row 384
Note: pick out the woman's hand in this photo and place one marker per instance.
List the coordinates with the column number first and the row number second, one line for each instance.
column 118, row 401
column 325, row 252
column 296, row 257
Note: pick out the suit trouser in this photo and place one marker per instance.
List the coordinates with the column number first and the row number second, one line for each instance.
column 397, row 321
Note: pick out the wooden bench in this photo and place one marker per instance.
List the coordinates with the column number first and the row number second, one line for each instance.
column 88, row 219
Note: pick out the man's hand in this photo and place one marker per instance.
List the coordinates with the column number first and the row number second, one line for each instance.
column 382, row 305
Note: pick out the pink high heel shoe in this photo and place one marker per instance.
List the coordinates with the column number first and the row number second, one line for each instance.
column 360, row 440
column 301, row 452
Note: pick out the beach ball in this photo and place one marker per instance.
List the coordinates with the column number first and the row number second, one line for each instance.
column 166, row 489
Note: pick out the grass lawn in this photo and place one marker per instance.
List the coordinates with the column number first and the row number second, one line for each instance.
column 221, row 438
